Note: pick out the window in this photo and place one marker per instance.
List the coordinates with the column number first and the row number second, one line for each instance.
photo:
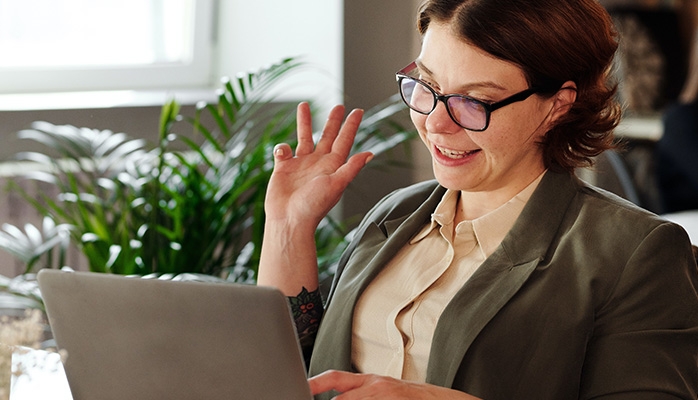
column 79, row 45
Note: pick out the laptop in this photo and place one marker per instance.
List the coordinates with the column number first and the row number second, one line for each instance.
column 133, row 338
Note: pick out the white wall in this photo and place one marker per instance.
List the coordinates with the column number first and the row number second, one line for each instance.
column 252, row 34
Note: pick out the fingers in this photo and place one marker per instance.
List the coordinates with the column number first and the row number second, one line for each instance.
column 371, row 386
column 331, row 129
column 345, row 139
column 305, row 129
column 337, row 136
column 340, row 381
column 347, row 172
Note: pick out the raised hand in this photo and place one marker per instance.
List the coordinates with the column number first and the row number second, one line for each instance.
column 303, row 188
column 306, row 186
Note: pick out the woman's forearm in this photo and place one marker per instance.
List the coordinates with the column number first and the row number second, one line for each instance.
column 289, row 257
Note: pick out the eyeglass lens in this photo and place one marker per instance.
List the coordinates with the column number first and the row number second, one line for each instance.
column 466, row 112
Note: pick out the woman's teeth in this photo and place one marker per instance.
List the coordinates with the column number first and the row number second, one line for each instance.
column 453, row 153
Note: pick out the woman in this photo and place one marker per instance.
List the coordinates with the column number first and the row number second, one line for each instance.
column 507, row 277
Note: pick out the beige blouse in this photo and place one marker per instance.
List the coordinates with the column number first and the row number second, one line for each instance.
column 396, row 316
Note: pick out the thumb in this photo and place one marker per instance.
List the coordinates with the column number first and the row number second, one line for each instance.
column 282, row 151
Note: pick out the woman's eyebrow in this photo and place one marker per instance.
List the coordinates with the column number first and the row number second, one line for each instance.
column 422, row 67
column 465, row 87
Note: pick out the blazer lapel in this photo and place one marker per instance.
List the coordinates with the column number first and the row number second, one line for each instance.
column 376, row 245
column 499, row 277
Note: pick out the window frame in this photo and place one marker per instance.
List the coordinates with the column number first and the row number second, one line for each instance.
column 197, row 72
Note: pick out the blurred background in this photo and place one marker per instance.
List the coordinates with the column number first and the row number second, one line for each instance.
column 112, row 64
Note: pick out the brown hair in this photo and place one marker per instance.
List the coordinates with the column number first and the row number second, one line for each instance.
column 552, row 41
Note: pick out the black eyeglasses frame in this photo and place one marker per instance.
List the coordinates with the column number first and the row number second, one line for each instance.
column 488, row 107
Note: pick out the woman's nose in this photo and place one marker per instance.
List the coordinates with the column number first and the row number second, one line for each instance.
column 440, row 121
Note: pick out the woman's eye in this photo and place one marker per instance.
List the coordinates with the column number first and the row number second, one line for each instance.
column 482, row 99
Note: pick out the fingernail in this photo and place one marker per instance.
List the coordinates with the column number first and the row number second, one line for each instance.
column 368, row 159
column 278, row 151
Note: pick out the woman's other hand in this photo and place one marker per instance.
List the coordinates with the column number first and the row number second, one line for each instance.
column 368, row 386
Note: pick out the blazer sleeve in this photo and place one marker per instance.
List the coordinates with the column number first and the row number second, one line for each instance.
column 645, row 340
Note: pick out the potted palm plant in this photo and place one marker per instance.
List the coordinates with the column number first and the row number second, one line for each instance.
column 190, row 204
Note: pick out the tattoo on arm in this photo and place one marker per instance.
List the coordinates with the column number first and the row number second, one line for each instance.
column 307, row 310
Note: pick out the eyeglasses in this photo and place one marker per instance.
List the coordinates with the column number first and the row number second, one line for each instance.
column 469, row 113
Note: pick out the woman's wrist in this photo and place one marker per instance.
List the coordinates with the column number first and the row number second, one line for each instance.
column 288, row 258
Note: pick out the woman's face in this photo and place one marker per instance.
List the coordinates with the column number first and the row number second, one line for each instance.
column 505, row 157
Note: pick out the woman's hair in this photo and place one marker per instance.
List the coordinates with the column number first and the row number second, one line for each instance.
column 552, row 41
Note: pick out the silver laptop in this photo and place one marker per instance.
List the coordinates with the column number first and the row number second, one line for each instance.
column 132, row 338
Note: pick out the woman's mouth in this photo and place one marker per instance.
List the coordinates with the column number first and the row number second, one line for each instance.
column 455, row 154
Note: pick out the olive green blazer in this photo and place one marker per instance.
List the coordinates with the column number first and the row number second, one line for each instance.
column 588, row 296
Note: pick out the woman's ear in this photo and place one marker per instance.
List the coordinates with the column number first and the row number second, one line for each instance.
column 564, row 98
